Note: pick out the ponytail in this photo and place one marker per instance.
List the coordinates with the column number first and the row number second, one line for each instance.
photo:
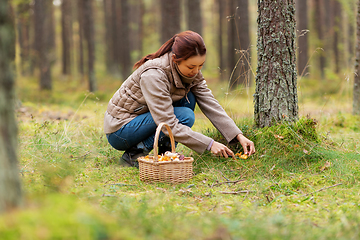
column 184, row 45
column 165, row 48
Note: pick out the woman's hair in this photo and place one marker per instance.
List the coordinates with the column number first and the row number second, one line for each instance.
column 184, row 45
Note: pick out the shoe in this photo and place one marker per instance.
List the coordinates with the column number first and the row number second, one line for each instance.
column 130, row 156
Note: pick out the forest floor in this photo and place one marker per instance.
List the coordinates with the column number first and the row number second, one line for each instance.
column 303, row 182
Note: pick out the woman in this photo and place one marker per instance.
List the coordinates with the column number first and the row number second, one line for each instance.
column 165, row 87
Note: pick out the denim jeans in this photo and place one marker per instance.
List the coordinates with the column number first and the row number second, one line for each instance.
column 142, row 128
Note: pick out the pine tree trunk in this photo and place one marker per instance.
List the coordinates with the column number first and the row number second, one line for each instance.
column 275, row 97
column 302, row 28
column 231, row 43
column 356, row 92
column 337, row 27
column 194, row 20
column 10, row 187
column 23, row 27
column 221, row 9
column 80, row 19
column 107, row 4
column 42, row 48
column 243, row 34
column 90, row 42
column 124, row 40
column 170, row 19
column 319, row 23
column 66, row 35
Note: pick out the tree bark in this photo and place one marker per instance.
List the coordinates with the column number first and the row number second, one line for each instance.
column 170, row 19
column 302, row 28
column 42, row 42
column 275, row 96
column 23, row 29
column 231, row 43
column 194, row 20
column 80, row 19
column 221, row 9
column 10, row 187
column 124, row 40
column 66, row 36
column 90, row 42
column 243, row 34
column 356, row 92
column 337, row 27
column 319, row 23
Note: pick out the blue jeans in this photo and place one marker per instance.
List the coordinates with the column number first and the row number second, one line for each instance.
column 142, row 128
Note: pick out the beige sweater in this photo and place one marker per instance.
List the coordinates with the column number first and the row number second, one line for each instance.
column 154, row 87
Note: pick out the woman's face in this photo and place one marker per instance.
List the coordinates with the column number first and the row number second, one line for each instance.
column 191, row 66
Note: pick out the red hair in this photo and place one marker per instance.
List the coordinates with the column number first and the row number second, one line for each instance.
column 184, row 45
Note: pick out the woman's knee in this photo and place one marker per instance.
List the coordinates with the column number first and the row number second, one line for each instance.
column 185, row 116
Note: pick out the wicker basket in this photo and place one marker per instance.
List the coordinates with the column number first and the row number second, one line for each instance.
column 151, row 170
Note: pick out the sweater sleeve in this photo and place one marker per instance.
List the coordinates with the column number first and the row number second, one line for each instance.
column 214, row 112
column 156, row 90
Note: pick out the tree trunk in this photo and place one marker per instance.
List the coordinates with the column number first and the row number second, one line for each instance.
column 42, row 42
column 231, row 43
column 275, row 96
column 80, row 17
column 66, row 35
column 124, row 40
column 302, row 28
column 320, row 32
column 10, row 187
column 194, row 20
column 108, row 35
column 170, row 19
column 243, row 34
column 337, row 27
column 90, row 42
column 221, row 9
column 356, row 92
column 23, row 27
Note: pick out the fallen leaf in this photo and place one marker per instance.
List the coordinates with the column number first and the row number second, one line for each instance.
column 326, row 165
column 305, row 151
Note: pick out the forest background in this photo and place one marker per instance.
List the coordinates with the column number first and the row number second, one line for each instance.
column 71, row 56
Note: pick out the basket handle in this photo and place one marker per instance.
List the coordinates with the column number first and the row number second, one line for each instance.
column 158, row 130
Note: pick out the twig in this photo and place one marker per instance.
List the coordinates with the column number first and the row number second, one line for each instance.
column 87, row 153
column 322, row 189
column 245, row 196
column 108, row 195
column 120, row 184
column 217, row 184
column 238, row 192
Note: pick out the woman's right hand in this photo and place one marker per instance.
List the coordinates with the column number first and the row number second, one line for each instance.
column 221, row 150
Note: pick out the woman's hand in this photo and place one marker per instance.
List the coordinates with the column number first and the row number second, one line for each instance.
column 221, row 150
column 247, row 145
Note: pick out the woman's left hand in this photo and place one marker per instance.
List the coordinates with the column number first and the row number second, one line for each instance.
column 248, row 146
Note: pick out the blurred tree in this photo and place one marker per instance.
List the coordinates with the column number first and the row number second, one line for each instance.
column 319, row 23
column 275, row 97
column 220, row 35
column 66, row 35
column 43, row 42
column 110, row 37
column 80, row 18
column 193, row 13
column 302, row 30
column 10, row 187
column 238, row 42
column 170, row 19
column 23, row 15
column 124, row 40
column 356, row 92
column 90, row 42
column 337, row 25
